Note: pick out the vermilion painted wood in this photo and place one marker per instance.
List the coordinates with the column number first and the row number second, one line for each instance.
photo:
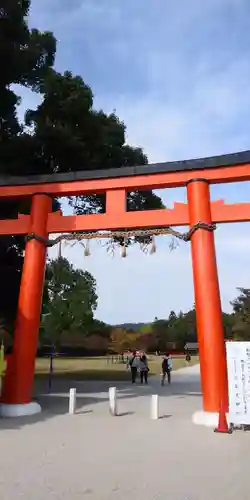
column 207, row 300
column 176, row 216
column 237, row 173
column 18, row 380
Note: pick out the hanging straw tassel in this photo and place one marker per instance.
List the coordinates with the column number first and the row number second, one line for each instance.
column 153, row 247
column 124, row 250
column 86, row 249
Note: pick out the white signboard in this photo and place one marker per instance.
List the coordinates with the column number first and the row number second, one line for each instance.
column 238, row 366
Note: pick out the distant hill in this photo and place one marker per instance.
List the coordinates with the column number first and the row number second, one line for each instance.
column 131, row 326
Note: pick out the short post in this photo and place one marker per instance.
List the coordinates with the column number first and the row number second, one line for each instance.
column 112, row 401
column 72, row 401
column 155, row 407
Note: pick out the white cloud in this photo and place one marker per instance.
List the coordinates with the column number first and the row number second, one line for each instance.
column 206, row 122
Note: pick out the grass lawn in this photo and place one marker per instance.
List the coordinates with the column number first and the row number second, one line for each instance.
column 99, row 368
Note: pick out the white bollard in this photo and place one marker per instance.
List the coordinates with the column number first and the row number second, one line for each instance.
column 155, row 407
column 112, row 401
column 72, row 401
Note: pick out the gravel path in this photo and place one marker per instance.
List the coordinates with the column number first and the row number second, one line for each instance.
column 94, row 456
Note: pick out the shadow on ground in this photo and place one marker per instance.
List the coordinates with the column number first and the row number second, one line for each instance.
column 89, row 393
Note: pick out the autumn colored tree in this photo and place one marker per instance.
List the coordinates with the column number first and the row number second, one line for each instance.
column 121, row 341
column 147, row 342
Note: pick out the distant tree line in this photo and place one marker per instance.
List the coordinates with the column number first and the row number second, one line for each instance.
column 68, row 324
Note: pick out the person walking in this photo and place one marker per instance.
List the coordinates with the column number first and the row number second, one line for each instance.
column 144, row 369
column 166, row 368
column 133, row 364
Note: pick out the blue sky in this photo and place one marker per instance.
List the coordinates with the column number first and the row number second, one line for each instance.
column 178, row 74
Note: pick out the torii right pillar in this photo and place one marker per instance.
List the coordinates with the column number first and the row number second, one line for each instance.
column 210, row 331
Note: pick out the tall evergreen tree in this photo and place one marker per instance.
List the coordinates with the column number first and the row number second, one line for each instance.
column 67, row 133
column 25, row 57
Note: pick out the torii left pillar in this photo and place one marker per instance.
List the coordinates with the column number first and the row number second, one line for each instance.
column 16, row 398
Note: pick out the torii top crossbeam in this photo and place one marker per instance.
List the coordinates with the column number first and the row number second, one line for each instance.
column 216, row 169
column 117, row 182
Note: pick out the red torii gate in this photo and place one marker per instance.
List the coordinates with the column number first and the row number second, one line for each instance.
column 199, row 213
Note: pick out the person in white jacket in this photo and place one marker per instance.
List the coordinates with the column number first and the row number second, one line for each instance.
column 133, row 363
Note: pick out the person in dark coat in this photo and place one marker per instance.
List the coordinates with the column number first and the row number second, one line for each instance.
column 166, row 368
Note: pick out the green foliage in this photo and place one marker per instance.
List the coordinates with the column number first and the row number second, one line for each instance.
column 176, row 330
column 146, row 329
column 71, row 135
column 71, row 300
column 100, row 329
column 162, row 334
column 241, row 308
column 25, row 56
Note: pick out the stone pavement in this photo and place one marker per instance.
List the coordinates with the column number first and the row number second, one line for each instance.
column 94, row 456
